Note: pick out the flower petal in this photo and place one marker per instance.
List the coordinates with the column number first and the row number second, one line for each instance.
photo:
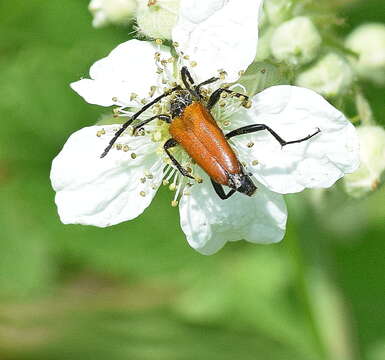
column 293, row 113
column 129, row 68
column 103, row 192
column 210, row 222
column 218, row 34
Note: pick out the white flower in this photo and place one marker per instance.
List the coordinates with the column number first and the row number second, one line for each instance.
column 296, row 41
column 119, row 187
column 372, row 150
column 156, row 18
column 330, row 76
column 111, row 11
column 368, row 41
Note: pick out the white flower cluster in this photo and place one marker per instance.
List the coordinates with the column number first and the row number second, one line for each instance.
column 212, row 39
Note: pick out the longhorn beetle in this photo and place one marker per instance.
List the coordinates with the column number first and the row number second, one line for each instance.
column 193, row 127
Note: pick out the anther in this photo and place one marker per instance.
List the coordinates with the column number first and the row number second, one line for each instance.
column 152, row 91
column 193, row 63
column 224, row 95
column 175, row 44
column 151, row 2
column 247, row 104
column 143, row 180
column 250, row 144
column 255, row 162
column 157, row 56
column 144, row 101
column 241, row 72
column 172, row 187
column 263, row 71
column 199, row 180
column 159, row 41
column 142, row 193
column 126, row 148
column 119, row 146
column 114, row 99
column 133, row 96
column 133, row 156
column 165, row 182
column 174, row 203
column 186, row 57
column 226, row 123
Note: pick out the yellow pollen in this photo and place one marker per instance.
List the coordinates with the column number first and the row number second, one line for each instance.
column 247, row 104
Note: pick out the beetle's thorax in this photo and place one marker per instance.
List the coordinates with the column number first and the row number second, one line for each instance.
column 179, row 102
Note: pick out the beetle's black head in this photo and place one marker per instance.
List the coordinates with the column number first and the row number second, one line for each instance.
column 242, row 183
column 179, row 102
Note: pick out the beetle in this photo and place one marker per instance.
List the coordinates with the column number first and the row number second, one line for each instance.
column 193, row 127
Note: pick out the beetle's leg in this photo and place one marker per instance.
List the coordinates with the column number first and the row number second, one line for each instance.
column 135, row 116
column 258, row 127
column 206, row 82
column 186, row 78
column 220, row 191
column 163, row 117
column 169, row 144
column 216, row 95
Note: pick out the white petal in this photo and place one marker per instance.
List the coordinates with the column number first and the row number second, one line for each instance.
column 218, row 34
column 293, row 113
column 129, row 68
column 210, row 222
column 103, row 192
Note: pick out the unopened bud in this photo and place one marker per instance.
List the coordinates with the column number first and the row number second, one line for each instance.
column 277, row 11
column 296, row 41
column 156, row 19
column 368, row 41
column 372, row 152
column 111, row 11
column 330, row 76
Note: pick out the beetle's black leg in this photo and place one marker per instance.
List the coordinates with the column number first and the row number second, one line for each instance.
column 216, row 95
column 206, row 82
column 186, row 78
column 220, row 192
column 169, row 144
column 258, row 127
column 163, row 117
column 135, row 116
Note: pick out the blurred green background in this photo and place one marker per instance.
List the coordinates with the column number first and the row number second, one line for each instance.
column 137, row 290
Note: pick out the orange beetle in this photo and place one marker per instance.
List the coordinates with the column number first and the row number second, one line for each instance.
column 193, row 127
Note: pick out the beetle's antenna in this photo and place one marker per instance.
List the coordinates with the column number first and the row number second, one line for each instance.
column 135, row 116
column 185, row 74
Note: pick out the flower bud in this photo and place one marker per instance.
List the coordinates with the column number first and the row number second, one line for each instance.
column 368, row 41
column 296, row 41
column 111, row 11
column 330, row 76
column 277, row 11
column 156, row 18
column 372, row 151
